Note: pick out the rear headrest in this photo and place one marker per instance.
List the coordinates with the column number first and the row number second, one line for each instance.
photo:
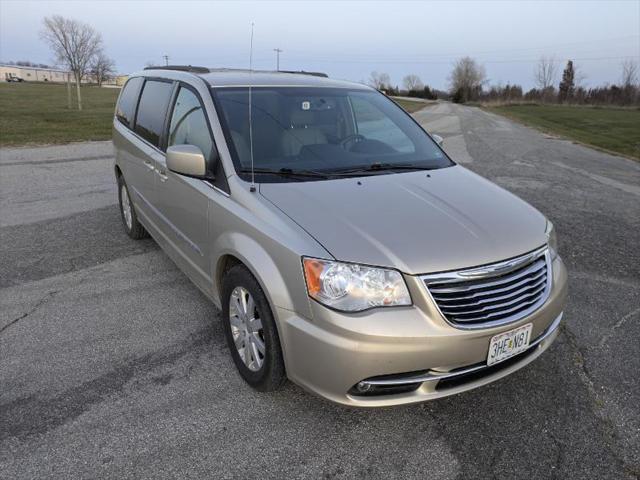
column 301, row 118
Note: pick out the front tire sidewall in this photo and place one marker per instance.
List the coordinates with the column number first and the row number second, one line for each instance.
column 271, row 375
column 136, row 231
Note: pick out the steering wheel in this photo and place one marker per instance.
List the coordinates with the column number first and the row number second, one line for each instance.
column 355, row 138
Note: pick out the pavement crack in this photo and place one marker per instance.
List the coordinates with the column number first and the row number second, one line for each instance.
column 560, row 455
column 597, row 277
column 617, row 325
column 492, row 466
column 38, row 414
column 38, row 304
column 579, row 361
column 596, row 400
column 625, row 187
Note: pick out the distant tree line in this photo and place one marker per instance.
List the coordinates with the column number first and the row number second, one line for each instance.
column 468, row 83
column 425, row 92
column 413, row 86
column 605, row 95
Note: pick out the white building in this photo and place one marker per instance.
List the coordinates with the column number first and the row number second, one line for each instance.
column 32, row 74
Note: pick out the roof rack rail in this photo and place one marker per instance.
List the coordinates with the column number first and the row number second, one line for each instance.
column 181, row 68
column 195, row 69
column 302, row 72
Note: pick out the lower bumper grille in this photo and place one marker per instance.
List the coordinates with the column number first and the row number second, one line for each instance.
column 464, row 378
column 411, row 381
column 493, row 294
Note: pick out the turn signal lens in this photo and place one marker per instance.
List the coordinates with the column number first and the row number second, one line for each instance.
column 352, row 288
column 312, row 271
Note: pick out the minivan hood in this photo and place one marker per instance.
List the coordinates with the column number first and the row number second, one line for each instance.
column 417, row 222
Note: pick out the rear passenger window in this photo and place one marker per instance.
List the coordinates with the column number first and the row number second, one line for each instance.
column 152, row 110
column 127, row 101
column 188, row 123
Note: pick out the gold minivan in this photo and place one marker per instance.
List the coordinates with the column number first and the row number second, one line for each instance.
column 345, row 249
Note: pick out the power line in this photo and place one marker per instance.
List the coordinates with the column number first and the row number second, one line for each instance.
column 379, row 61
column 454, row 54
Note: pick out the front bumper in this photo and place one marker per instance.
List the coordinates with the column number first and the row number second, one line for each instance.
column 332, row 352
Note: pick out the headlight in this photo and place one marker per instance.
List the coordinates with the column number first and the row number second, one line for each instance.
column 552, row 240
column 353, row 288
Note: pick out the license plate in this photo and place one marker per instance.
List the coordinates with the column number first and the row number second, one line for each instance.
column 506, row 345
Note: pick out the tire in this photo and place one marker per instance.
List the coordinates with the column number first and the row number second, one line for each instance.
column 128, row 213
column 267, row 373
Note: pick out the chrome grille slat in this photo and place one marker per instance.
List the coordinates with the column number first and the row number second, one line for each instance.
column 496, row 314
column 498, row 301
column 539, row 277
column 518, row 300
column 538, row 265
column 493, row 294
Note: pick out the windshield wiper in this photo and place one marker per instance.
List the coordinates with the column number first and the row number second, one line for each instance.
column 356, row 171
column 379, row 167
column 286, row 172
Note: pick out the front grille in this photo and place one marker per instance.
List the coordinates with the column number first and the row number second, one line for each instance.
column 492, row 294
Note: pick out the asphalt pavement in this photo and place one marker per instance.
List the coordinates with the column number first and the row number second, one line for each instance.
column 113, row 365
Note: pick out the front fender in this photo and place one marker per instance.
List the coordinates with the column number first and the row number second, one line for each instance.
column 284, row 289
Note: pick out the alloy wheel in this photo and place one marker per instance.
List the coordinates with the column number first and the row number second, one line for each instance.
column 126, row 207
column 246, row 328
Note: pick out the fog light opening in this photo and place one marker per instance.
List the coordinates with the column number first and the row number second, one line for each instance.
column 366, row 389
column 363, row 387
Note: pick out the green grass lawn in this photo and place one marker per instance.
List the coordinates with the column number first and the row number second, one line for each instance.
column 36, row 113
column 609, row 128
column 408, row 105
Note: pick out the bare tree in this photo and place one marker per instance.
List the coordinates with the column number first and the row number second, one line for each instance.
column 379, row 81
column 629, row 81
column 545, row 73
column 466, row 79
column 74, row 44
column 545, row 76
column 580, row 76
column 412, row 82
column 102, row 68
column 629, row 73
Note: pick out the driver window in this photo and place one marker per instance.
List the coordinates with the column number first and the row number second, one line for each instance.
column 189, row 125
column 375, row 125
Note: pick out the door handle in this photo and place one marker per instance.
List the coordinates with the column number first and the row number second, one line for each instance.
column 163, row 175
column 149, row 165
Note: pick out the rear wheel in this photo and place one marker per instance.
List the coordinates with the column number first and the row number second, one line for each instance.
column 251, row 331
column 128, row 214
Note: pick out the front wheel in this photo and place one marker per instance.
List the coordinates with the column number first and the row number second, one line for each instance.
column 128, row 214
column 251, row 331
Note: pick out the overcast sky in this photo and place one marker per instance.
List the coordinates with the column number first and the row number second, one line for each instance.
column 346, row 40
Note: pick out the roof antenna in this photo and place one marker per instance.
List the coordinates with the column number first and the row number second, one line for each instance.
column 253, row 175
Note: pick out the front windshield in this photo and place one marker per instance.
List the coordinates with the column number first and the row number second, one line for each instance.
column 322, row 131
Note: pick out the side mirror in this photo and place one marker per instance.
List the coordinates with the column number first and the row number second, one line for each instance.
column 438, row 139
column 186, row 160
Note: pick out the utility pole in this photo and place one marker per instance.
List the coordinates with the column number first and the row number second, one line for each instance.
column 278, row 51
column 166, row 60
